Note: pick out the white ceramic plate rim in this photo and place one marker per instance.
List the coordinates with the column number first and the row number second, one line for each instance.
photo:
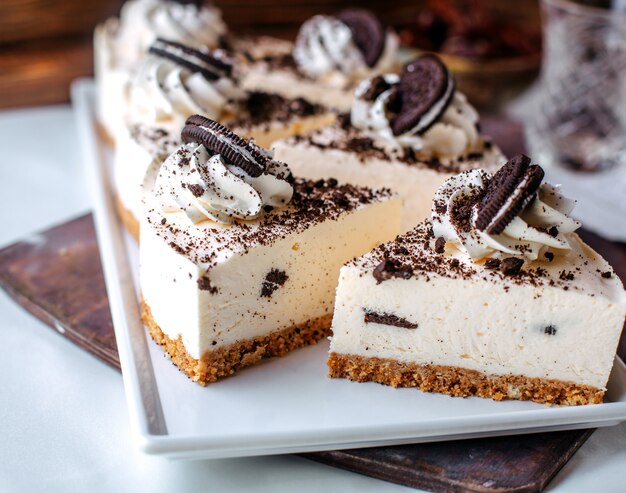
column 147, row 419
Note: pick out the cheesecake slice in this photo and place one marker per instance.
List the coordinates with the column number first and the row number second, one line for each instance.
column 239, row 261
column 409, row 133
column 121, row 44
column 330, row 56
column 176, row 81
column 495, row 296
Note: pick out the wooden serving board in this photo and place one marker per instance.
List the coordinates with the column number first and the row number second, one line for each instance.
column 56, row 275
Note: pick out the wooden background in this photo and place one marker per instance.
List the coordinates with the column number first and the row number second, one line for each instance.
column 44, row 44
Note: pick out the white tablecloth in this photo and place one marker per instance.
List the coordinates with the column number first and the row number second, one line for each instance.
column 63, row 420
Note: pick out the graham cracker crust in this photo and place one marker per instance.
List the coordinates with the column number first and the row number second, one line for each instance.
column 460, row 382
column 223, row 362
column 129, row 220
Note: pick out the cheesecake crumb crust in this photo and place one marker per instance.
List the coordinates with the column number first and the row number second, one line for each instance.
column 222, row 362
column 128, row 219
column 461, row 382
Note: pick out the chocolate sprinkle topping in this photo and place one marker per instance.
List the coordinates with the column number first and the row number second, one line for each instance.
column 308, row 207
column 414, row 250
column 389, row 269
column 440, row 245
column 195, row 189
column 342, row 136
column 607, row 275
column 492, row 263
column 263, row 108
column 511, row 266
column 387, row 319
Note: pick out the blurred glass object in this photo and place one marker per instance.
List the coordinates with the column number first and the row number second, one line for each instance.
column 580, row 119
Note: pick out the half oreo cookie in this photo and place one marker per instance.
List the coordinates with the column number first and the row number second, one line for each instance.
column 220, row 140
column 512, row 187
column 212, row 65
column 424, row 92
column 368, row 33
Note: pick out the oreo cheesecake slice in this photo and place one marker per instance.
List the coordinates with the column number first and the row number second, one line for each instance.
column 239, row 260
column 121, row 43
column 494, row 296
column 176, row 81
column 330, row 56
column 409, row 132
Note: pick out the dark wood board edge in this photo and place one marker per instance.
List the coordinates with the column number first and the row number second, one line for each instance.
column 428, row 476
column 109, row 357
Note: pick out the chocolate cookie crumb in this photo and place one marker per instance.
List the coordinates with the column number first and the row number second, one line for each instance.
column 273, row 280
column 440, row 245
column 389, row 269
column 195, row 189
column 550, row 330
column 549, row 256
column 607, row 275
column 388, row 319
column 511, row 266
column 492, row 263
column 204, row 284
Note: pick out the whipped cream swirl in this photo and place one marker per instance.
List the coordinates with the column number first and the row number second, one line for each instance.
column 543, row 224
column 162, row 93
column 204, row 186
column 451, row 136
column 325, row 49
column 143, row 21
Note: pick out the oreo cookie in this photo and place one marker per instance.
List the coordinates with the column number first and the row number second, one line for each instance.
column 424, row 92
column 376, row 87
column 212, row 65
column 512, row 187
column 220, row 140
column 368, row 33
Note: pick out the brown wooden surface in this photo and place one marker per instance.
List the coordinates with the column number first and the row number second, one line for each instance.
column 57, row 276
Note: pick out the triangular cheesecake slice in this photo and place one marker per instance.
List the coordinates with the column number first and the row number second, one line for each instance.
column 238, row 260
column 496, row 296
column 409, row 132
column 175, row 81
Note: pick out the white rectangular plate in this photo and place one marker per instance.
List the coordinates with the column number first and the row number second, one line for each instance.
column 288, row 404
